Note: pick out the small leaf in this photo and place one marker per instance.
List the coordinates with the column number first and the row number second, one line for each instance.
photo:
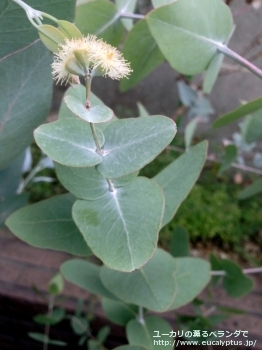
column 44, row 339
column 69, row 30
column 38, row 337
column 228, row 158
column 139, row 140
column 235, row 282
column 118, row 311
column 152, row 286
column 187, row 95
column 56, row 285
column 179, row 245
column 238, row 113
column 82, row 340
column 251, row 190
column 141, row 50
column 69, row 142
column 190, row 131
column 51, row 37
column 212, row 72
column 57, row 316
column 121, row 242
column 153, row 334
column 79, row 92
column 79, row 325
column 142, row 110
column 85, row 275
column 49, row 225
column 253, row 131
column 96, row 114
column 103, row 334
column 184, row 170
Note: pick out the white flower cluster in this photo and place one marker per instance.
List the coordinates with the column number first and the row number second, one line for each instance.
column 88, row 56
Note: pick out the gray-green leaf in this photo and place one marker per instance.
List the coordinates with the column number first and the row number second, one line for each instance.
column 122, row 227
column 101, row 18
column 25, row 98
column 154, row 333
column 178, row 178
column 85, row 275
column 69, row 142
column 191, row 276
column 95, row 114
column 118, row 311
column 49, row 225
column 130, row 144
column 141, row 50
column 152, row 286
column 189, row 45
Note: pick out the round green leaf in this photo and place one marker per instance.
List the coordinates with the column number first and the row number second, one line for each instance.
column 96, row 114
column 69, row 142
column 184, row 170
column 79, row 92
column 154, row 333
column 101, row 18
column 49, row 225
column 122, row 227
column 51, row 37
column 189, row 45
column 119, row 312
column 191, row 276
column 152, row 286
column 144, row 58
column 69, row 30
column 132, row 143
column 85, row 275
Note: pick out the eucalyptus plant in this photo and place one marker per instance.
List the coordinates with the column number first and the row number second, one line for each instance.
column 110, row 211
